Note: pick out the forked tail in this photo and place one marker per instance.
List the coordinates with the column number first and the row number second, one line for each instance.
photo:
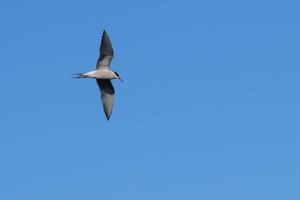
column 79, row 75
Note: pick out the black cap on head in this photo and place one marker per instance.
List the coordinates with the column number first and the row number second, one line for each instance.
column 117, row 74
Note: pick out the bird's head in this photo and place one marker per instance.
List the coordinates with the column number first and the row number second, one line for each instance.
column 117, row 76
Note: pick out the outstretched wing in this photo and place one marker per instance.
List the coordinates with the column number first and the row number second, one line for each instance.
column 106, row 52
column 107, row 96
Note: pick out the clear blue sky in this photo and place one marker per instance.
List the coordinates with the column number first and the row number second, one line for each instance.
column 209, row 108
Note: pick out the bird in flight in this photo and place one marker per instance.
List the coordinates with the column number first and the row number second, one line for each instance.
column 103, row 75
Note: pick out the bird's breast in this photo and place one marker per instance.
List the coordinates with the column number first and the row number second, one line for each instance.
column 103, row 74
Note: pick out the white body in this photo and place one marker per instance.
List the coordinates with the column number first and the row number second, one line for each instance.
column 101, row 74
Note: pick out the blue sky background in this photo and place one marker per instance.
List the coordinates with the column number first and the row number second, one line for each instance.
column 209, row 108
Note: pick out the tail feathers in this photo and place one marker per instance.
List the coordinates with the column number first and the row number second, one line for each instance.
column 79, row 75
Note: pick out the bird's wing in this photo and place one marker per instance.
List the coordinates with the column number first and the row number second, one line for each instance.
column 106, row 52
column 107, row 96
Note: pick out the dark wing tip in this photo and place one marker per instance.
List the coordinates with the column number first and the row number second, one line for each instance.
column 107, row 117
column 105, row 46
column 107, row 114
column 104, row 33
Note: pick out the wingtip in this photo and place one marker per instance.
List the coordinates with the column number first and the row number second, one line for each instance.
column 107, row 115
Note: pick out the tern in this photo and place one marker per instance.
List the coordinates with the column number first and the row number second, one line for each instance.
column 104, row 75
